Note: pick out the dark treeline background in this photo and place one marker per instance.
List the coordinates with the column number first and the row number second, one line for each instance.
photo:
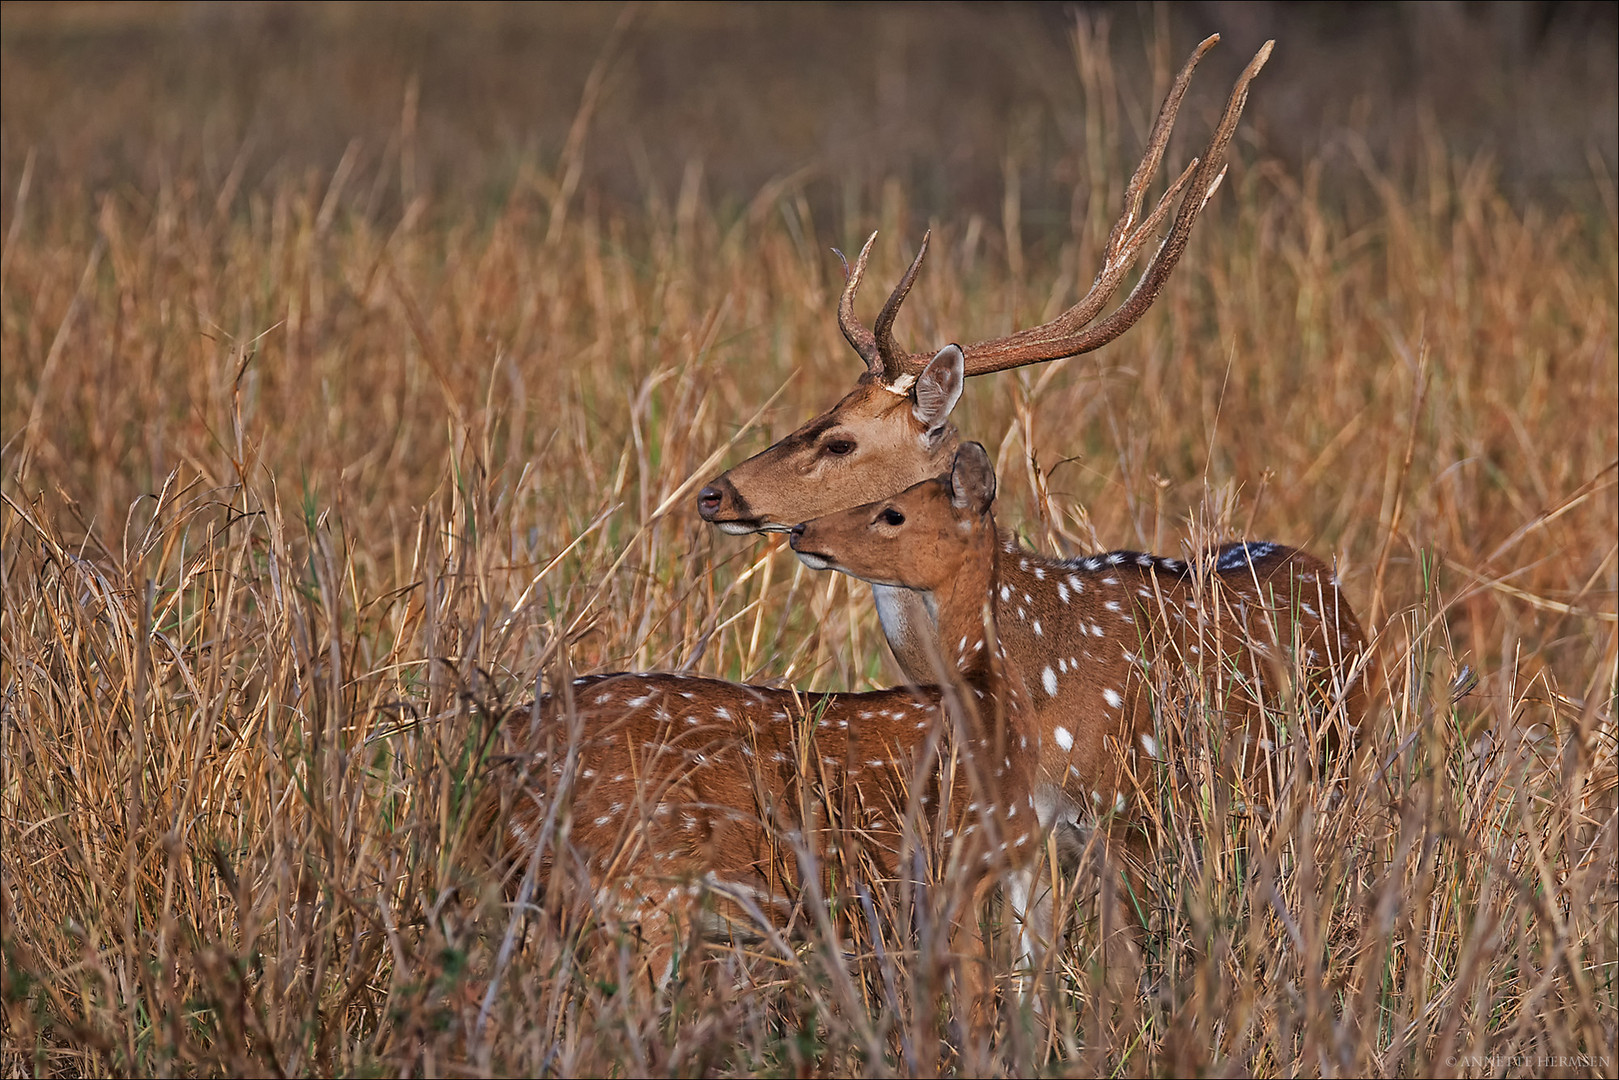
column 951, row 100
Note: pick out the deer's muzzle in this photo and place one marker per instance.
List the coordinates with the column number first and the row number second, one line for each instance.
column 720, row 504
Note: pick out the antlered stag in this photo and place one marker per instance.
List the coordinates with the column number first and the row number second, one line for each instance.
column 1088, row 633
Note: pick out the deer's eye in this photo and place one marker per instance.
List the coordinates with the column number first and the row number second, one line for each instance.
column 892, row 516
column 839, row 447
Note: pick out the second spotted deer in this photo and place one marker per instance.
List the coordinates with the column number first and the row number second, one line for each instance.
column 696, row 805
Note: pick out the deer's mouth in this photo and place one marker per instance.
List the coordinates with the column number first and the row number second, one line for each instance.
column 814, row 560
column 744, row 526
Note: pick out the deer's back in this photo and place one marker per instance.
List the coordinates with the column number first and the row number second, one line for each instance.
column 677, row 777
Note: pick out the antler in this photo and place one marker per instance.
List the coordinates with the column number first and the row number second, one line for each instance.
column 864, row 342
column 1071, row 333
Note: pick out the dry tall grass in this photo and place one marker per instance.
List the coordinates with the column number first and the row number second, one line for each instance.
column 300, row 495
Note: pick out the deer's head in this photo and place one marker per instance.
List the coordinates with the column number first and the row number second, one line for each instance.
column 893, row 429
column 922, row 538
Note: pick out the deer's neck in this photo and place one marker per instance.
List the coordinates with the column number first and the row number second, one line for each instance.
column 963, row 626
column 912, row 620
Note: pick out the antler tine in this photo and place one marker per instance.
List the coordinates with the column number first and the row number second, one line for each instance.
column 1066, row 335
column 857, row 335
column 1128, row 237
column 1169, row 252
column 1157, row 142
column 894, row 360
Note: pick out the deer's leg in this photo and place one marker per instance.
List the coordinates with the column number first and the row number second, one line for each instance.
column 972, row 943
column 1037, row 900
column 1124, row 909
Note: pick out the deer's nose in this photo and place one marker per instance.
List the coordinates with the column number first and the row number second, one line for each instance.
column 709, row 501
column 797, row 534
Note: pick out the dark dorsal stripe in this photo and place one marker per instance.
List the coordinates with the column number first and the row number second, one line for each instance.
column 1095, row 563
column 1226, row 558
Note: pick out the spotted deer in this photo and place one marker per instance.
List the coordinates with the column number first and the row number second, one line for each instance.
column 692, row 799
column 1092, row 635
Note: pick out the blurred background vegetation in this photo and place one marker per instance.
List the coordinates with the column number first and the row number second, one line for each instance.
column 949, row 99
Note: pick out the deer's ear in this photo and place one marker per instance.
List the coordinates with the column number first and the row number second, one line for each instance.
column 972, row 480
column 938, row 389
